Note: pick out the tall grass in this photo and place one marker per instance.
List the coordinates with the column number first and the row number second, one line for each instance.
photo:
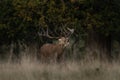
column 69, row 70
column 31, row 69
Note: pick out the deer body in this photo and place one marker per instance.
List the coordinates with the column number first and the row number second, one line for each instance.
column 53, row 51
column 50, row 51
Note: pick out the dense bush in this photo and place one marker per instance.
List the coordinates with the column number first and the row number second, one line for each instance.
column 96, row 22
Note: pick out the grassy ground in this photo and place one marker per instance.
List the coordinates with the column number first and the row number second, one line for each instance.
column 69, row 70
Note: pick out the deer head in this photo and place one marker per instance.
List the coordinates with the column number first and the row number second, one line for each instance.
column 55, row 51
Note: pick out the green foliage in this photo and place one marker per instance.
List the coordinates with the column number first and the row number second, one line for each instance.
column 102, row 16
column 22, row 19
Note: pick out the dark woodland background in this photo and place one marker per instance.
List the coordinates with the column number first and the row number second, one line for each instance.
column 96, row 24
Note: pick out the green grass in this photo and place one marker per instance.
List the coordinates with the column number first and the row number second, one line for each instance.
column 70, row 70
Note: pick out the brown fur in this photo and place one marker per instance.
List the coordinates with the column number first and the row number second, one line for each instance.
column 53, row 52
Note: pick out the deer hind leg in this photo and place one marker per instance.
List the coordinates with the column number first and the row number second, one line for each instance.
column 47, row 59
column 52, row 58
column 43, row 58
column 60, row 58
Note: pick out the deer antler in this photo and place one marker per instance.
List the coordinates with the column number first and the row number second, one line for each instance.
column 68, row 31
column 45, row 33
column 71, row 30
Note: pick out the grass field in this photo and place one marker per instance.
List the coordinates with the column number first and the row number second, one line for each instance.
column 69, row 70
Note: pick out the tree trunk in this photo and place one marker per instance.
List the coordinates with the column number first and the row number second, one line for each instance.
column 98, row 46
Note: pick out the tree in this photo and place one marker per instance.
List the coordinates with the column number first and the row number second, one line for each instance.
column 101, row 20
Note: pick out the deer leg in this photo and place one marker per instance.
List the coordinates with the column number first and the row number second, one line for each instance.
column 60, row 58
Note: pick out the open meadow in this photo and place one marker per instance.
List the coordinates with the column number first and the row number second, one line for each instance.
column 69, row 70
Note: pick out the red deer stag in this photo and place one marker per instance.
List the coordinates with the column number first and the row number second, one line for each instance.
column 54, row 52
